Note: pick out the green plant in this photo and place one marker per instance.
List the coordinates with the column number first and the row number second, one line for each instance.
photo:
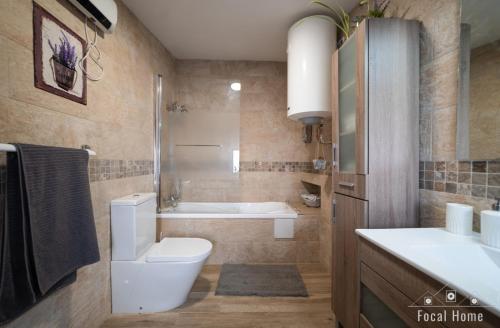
column 379, row 7
column 344, row 21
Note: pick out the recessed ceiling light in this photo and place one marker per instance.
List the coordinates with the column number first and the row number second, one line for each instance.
column 236, row 86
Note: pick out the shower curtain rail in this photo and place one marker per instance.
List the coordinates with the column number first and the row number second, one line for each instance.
column 12, row 148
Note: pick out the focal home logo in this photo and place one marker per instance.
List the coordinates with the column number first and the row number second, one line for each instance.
column 446, row 305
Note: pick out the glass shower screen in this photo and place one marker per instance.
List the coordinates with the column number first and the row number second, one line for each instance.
column 201, row 158
column 204, row 145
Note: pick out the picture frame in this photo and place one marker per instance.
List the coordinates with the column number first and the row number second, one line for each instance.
column 57, row 51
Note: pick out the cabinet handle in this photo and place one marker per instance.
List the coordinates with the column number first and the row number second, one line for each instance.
column 334, row 154
column 334, row 211
column 346, row 184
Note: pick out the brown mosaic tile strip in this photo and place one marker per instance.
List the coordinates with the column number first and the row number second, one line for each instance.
column 105, row 169
column 470, row 178
column 102, row 170
column 115, row 169
column 258, row 166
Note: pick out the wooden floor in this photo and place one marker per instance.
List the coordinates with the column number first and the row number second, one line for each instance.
column 204, row 309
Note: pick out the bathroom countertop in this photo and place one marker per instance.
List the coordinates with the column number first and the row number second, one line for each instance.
column 460, row 262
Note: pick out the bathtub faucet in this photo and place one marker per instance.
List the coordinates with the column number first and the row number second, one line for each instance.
column 176, row 194
column 172, row 200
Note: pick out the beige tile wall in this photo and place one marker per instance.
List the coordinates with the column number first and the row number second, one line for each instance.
column 484, row 115
column 325, row 221
column 324, row 181
column 266, row 134
column 117, row 123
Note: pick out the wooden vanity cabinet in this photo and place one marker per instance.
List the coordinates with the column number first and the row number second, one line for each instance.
column 401, row 289
column 375, row 96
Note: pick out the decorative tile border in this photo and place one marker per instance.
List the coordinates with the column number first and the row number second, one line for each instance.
column 470, row 178
column 102, row 170
column 105, row 169
column 306, row 167
column 110, row 169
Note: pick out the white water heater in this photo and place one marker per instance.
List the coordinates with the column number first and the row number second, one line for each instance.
column 311, row 43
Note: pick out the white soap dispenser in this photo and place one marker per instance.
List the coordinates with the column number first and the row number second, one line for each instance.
column 490, row 226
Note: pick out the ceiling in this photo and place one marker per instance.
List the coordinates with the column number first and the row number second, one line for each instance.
column 225, row 29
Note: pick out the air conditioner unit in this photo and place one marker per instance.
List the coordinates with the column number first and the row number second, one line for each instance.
column 103, row 13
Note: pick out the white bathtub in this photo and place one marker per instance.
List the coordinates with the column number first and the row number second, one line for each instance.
column 265, row 210
column 283, row 215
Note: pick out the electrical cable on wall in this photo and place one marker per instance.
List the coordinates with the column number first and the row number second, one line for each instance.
column 93, row 53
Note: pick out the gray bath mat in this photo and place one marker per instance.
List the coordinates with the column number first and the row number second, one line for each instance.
column 260, row 280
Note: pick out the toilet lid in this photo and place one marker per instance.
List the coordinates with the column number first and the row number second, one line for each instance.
column 179, row 250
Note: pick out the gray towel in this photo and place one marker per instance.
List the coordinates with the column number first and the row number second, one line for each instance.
column 48, row 225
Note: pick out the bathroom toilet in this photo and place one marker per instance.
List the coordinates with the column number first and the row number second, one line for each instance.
column 148, row 276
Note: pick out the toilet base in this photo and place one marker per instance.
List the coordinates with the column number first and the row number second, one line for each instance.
column 142, row 287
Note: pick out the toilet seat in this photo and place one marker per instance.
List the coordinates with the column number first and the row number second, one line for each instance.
column 179, row 250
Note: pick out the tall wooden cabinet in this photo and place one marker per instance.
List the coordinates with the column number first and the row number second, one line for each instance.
column 376, row 145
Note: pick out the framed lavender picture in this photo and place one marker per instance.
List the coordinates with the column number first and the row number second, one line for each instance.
column 57, row 54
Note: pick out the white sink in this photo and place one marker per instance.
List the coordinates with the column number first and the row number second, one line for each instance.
column 461, row 262
column 448, row 260
column 490, row 228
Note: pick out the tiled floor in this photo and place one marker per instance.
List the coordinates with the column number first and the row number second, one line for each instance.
column 204, row 309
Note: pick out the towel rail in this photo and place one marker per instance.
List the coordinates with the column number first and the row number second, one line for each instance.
column 12, row 148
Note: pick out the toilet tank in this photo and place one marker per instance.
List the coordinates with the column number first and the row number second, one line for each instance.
column 133, row 226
